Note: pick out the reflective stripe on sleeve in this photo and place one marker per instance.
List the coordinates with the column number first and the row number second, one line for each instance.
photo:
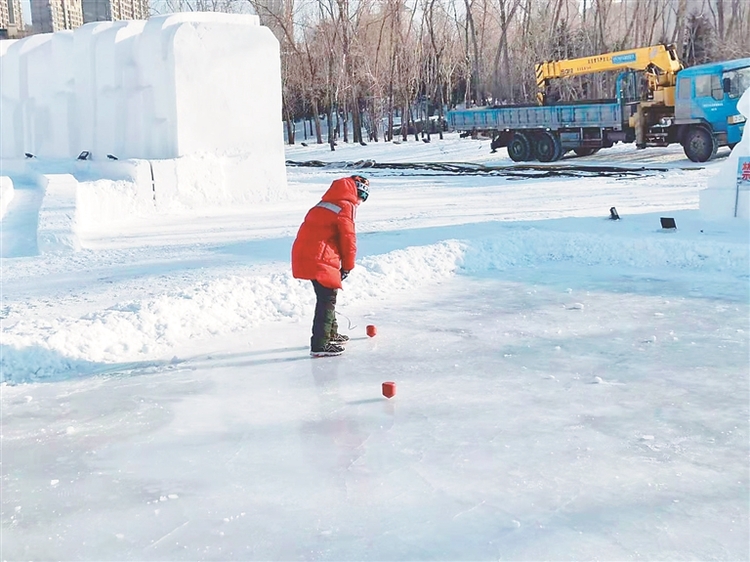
column 330, row 206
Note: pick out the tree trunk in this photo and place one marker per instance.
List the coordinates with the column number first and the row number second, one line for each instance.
column 679, row 25
column 374, row 124
column 417, row 127
column 477, row 91
column 344, row 120
column 289, row 130
column 720, row 18
column 500, row 89
column 331, row 130
column 289, row 120
column 356, row 122
column 405, row 123
column 440, row 109
column 388, row 134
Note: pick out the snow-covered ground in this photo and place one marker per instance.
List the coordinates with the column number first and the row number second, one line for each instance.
column 568, row 386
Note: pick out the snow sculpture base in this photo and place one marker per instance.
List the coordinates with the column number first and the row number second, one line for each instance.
column 718, row 203
column 6, row 194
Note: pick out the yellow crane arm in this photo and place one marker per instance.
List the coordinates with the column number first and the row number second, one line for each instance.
column 660, row 62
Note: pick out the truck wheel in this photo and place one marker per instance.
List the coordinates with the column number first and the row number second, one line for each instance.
column 519, row 148
column 699, row 144
column 560, row 150
column 547, row 147
column 585, row 151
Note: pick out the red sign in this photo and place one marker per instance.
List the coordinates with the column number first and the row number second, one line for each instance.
column 745, row 171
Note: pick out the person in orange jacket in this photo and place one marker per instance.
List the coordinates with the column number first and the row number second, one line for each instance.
column 324, row 252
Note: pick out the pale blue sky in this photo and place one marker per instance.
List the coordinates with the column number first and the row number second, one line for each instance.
column 26, row 10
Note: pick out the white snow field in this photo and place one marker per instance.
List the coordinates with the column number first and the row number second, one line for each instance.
column 569, row 387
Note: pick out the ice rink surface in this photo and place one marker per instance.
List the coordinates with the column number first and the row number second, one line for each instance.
column 568, row 387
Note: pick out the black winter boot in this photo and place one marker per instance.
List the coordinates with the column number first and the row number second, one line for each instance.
column 339, row 339
column 327, row 350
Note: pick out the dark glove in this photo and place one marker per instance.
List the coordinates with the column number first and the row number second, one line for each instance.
column 344, row 274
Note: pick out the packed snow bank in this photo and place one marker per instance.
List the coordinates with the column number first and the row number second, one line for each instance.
column 39, row 349
column 56, row 227
column 150, row 329
column 527, row 247
column 721, row 200
column 187, row 186
column 6, row 194
column 109, row 194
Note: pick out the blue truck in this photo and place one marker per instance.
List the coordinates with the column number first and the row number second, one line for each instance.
column 699, row 112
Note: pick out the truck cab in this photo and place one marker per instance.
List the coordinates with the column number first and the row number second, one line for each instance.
column 706, row 114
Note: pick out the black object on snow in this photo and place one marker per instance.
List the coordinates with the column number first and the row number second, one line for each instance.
column 668, row 223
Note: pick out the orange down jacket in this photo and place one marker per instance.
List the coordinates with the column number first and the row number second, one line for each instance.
column 326, row 242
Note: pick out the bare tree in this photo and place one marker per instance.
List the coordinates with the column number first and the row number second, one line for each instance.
column 365, row 62
column 502, row 75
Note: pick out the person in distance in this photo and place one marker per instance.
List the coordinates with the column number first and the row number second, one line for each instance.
column 324, row 252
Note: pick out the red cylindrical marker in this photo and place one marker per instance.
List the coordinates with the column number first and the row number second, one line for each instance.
column 389, row 389
column 371, row 331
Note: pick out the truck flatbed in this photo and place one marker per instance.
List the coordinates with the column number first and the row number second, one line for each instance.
column 552, row 117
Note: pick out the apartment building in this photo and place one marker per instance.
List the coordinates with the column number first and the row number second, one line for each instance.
column 110, row 10
column 11, row 18
column 56, row 15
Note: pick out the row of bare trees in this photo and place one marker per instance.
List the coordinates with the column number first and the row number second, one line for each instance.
column 366, row 62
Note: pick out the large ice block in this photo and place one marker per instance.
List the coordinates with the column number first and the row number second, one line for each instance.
column 199, row 92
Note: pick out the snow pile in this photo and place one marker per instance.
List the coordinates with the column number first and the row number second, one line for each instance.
column 528, row 247
column 107, row 204
column 145, row 330
column 721, row 198
column 44, row 348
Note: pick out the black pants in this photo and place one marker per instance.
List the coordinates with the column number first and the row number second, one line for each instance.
column 324, row 321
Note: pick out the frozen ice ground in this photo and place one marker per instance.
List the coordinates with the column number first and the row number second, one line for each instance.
column 569, row 387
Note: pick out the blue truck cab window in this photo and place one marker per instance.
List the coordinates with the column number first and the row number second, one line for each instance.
column 702, row 86
column 709, row 85
column 685, row 88
column 739, row 81
column 717, row 91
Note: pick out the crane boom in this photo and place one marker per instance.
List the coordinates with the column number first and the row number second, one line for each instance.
column 659, row 62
